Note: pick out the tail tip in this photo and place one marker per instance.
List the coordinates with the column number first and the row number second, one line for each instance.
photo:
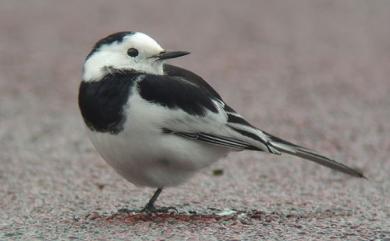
column 359, row 173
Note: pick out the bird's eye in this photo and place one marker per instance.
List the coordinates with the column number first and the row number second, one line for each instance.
column 132, row 52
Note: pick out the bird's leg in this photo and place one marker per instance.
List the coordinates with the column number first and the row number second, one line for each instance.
column 150, row 205
column 150, row 208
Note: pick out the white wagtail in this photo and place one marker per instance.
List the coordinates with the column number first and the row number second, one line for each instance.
column 157, row 124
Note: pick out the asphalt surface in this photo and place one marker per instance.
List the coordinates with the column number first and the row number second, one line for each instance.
column 313, row 72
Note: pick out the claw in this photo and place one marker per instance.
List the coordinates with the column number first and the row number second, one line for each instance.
column 153, row 209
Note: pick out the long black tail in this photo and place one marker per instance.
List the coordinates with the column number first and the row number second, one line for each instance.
column 290, row 148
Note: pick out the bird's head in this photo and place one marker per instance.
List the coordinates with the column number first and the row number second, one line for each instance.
column 126, row 51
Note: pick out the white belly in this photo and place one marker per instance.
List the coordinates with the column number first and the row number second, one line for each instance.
column 152, row 158
column 145, row 156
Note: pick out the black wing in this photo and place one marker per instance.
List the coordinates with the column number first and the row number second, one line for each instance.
column 172, row 70
column 193, row 95
column 176, row 92
column 189, row 92
column 223, row 141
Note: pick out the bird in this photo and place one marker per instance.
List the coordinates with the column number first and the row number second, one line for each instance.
column 158, row 124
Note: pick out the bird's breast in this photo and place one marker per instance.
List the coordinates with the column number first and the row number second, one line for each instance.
column 102, row 102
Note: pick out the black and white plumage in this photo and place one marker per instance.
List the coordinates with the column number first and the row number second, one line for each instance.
column 157, row 124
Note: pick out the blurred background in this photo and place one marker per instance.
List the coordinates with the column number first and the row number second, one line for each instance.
column 313, row 72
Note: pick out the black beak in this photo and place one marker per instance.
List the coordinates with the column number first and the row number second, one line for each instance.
column 171, row 54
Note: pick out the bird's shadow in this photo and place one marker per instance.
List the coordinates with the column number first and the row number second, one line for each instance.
column 213, row 216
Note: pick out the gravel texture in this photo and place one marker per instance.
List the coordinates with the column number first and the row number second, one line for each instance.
column 314, row 72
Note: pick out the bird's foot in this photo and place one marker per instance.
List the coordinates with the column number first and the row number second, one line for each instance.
column 152, row 209
column 148, row 209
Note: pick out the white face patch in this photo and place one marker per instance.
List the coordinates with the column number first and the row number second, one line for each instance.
column 114, row 55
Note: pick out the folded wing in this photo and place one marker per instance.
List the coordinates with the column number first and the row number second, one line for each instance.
column 206, row 118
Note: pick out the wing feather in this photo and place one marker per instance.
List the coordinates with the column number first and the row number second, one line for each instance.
column 208, row 119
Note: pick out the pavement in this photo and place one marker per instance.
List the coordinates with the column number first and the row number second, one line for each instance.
column 313, row 72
